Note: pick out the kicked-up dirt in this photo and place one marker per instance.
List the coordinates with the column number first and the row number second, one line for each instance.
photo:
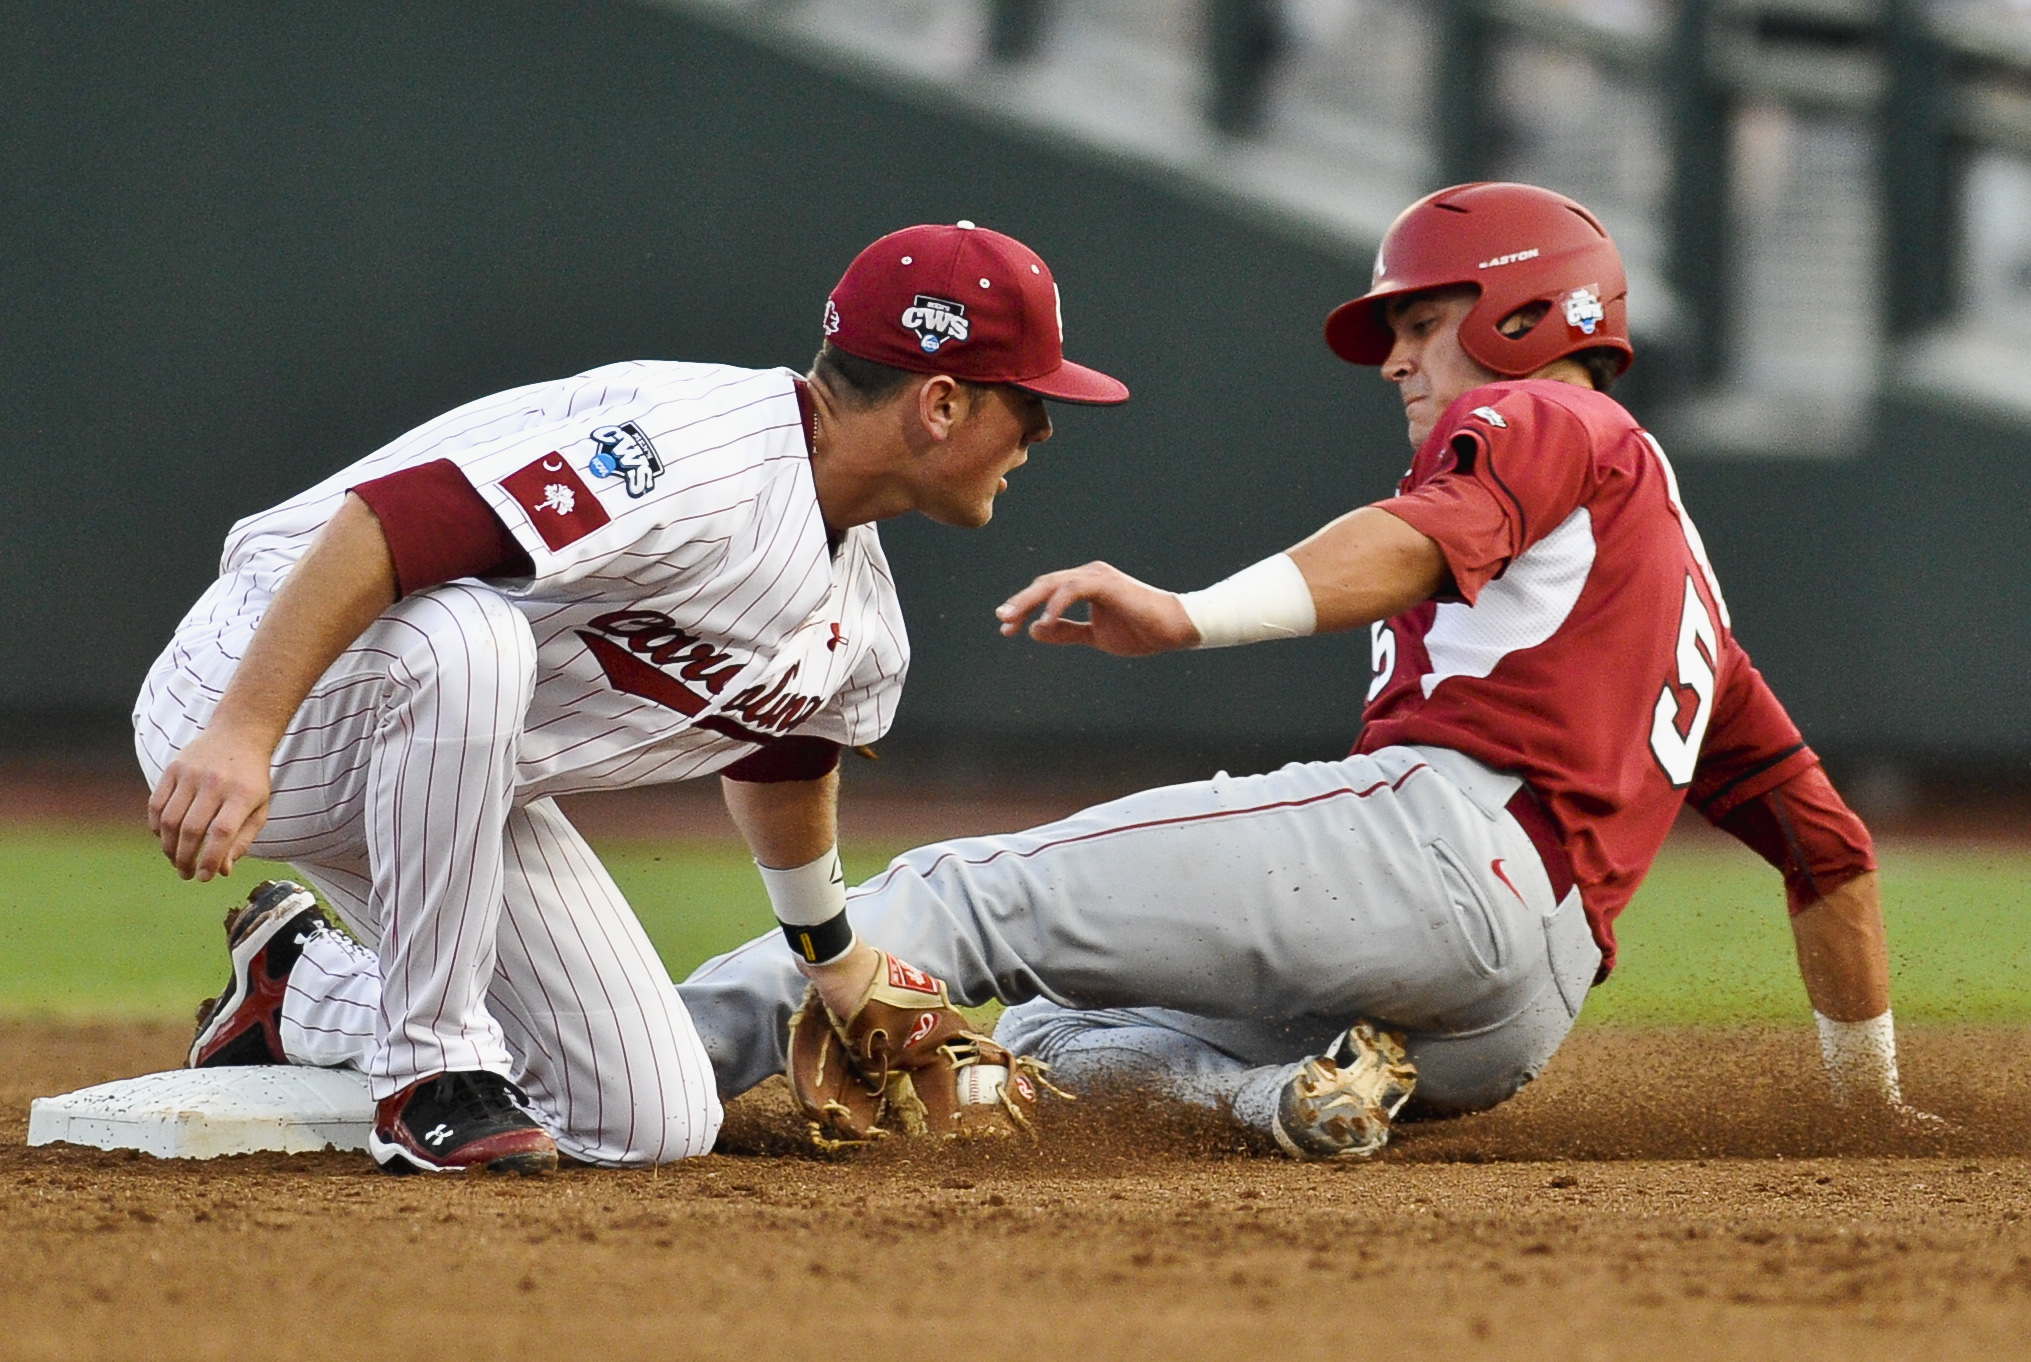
column 1656, row 1194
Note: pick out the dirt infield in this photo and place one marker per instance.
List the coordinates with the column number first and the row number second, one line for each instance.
column 1656, row 1194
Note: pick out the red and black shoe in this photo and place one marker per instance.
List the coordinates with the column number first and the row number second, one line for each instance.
column 451, row 1122
column 243, row 1025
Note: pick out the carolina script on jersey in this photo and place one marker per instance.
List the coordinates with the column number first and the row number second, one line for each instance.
column 762, row 712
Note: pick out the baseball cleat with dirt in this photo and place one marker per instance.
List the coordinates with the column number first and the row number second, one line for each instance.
column 453, row 1122
column 1339, row 1104
column 265, row 935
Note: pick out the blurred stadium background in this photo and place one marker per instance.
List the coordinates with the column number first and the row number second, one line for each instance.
column 247, row 242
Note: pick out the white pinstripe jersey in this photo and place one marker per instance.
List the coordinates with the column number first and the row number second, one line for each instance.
column 686, row 603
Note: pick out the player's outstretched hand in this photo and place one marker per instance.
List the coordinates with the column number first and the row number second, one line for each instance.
column 210, row 804
column 1125, row 617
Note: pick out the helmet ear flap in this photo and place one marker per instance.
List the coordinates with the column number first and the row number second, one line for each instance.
column 1515, row 336
column 1523, row 320
column 1514, row 354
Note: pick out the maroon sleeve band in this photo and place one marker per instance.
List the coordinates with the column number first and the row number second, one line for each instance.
column 1805, row 829
column 784, row 759
column 439, row 529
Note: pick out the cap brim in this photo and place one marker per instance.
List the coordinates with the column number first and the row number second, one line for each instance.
column 1071, row 382
column 1357, row 332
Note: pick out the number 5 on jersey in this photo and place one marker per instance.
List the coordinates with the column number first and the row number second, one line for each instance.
column 1675, row 741
column 1382, row 656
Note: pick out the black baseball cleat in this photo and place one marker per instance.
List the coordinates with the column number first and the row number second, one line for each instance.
column 452, row 1122
column 243, row 1025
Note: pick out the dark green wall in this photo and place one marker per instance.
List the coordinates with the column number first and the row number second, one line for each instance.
column 1948, row 611
column 245, row 243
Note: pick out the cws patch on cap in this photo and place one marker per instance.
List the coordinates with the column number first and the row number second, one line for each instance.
column 963, row 301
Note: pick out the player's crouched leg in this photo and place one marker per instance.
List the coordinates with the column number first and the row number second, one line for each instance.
column 636, row 1118
column 627, row 1087
column 608, row 1053
column 1239, row 1067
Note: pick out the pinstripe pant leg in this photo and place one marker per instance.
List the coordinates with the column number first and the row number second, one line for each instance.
column 606, row 1050
column 392, row 797
column 461, row 666
column 601, row 1042
column 332, row 1008
column 399, row 768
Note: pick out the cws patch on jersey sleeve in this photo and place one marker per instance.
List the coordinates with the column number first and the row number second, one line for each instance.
column 559, row 504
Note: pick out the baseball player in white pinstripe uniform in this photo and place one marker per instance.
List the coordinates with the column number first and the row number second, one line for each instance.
column 647, row 572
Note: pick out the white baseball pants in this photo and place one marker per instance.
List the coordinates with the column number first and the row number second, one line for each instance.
column 1204, row 938
column 499, row 942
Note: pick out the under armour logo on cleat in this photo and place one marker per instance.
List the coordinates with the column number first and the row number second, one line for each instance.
column 438, row 1135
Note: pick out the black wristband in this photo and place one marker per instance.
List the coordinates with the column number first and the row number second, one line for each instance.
column 822, row 944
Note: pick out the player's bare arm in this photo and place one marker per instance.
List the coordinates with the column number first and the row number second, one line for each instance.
column 1367, row 566
column 1363, row 567
column 212, row 799
column 792, row 823
column 1844, row 959
column 1842, row 954
column 785, row 822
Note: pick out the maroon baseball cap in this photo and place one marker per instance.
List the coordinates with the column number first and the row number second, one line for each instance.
column 962, row 301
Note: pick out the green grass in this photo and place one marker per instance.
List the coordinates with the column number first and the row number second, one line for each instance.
column 1707, row 939
column 93, row 923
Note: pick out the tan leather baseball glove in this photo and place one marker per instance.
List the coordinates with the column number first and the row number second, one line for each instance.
column 905, row 1062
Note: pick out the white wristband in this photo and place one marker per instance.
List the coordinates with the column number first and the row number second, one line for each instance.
column 1860, row 1057
column 1268, row 600
column 807, row 895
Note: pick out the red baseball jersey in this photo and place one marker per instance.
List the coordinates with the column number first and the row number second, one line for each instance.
column 1584, row 643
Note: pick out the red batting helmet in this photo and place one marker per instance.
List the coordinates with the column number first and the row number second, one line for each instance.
column 1519, row 245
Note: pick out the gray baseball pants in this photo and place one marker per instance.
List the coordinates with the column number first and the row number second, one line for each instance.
column 1205, row 938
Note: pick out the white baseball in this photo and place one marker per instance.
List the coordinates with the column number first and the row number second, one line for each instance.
column 980, row 1084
